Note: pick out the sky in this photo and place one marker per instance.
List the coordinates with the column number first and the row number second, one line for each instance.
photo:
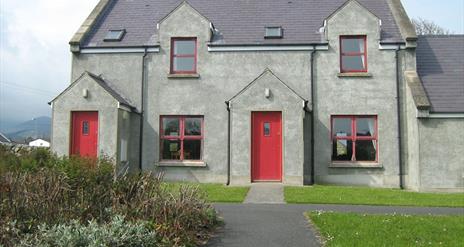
column 35, row 57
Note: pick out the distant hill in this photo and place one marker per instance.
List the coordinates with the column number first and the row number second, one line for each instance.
column 39, row 127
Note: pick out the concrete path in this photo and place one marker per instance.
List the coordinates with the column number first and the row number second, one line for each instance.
column 256, row 225
column 283, row 225
column 265, row 193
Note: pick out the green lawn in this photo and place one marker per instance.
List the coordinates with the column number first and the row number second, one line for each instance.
column 350, row 229
column 370, row 196
column 219, row 192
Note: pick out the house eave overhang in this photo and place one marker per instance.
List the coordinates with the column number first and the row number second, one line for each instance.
column 81, row 34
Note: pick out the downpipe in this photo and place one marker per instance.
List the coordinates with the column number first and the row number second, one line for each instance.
column 142, row 99
column 400, row 130
column 313, row 121
column 228, row 143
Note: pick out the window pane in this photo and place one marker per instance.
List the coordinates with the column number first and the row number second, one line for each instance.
column 342, row 150
column 192, row 127
column 184, row 64
column 353, row 63
column 352, row 45
column 267, row 129
column 341, row 127
column 170, row 126
column 192, row 149
column 171, row 149
column 273, row 32
column 366, row 150
column 365, row 127
column 184, row 47
column 85, row 128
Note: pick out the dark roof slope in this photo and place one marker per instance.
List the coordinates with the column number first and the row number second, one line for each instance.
column 440, row 65
column 107, row 86
column 238, row 21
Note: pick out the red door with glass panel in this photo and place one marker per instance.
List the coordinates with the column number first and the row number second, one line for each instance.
column 266, row 147
column 84, row 136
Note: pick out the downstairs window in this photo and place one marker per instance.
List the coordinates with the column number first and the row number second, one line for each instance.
column 354, row 138
column 181, row 138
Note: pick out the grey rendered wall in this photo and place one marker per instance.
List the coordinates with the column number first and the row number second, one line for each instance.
column 374, row 95
column 283, row 100
column 441, row 154
column 98, row 100
column 221, row 75
column 127, row 121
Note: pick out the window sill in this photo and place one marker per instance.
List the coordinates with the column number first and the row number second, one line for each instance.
column 355, row 165
column 355, row 74
column 186, row 76
column 181, row 164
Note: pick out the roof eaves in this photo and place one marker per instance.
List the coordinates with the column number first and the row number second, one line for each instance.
column 419, row 95
column 266, row 71
column 407, row 30
column 346, row 4
column 86, row 27
column 178, row 7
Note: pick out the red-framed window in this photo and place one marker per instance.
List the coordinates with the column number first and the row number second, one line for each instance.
column 181, row 138
column 183, row 55
column 353, row 54
column 354, row 138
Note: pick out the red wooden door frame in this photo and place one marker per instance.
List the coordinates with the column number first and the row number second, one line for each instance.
column 266, row 147
column 84, row 139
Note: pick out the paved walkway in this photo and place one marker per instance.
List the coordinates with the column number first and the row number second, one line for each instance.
column 265, row 193
column 265, row 220
column 283, row 225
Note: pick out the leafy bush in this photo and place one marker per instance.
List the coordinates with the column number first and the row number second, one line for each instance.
column 42, row 189
column 117, row 232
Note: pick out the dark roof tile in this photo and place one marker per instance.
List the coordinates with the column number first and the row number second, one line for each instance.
column 440, row 64
column 239, row 21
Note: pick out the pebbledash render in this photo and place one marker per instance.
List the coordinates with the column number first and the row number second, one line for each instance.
column 294, row 92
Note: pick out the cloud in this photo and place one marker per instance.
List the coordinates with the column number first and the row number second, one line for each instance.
column 35, row 61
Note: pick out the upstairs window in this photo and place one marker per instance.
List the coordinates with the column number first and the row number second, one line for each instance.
column 354, row 139
column 184, row 56
column 273, row 32
column 353, row 54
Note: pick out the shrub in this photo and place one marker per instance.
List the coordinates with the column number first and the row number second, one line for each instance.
column 40, row 188
column 117, row 232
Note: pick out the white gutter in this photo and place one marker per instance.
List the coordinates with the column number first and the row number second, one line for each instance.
column 267, row 48
column 446, row 115
column 118, row 50
column 391, row 47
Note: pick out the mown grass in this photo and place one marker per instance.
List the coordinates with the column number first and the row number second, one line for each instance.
column 320, row 194
column 218, row 192
column 352, row 229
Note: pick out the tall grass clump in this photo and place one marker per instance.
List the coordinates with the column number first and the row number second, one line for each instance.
column 45, row 199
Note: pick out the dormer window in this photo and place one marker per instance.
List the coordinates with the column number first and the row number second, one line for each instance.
column 353, row 54
column 115, row 35
column 183, row 55
column 273, row 33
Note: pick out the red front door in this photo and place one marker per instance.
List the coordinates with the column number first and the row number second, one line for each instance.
column 84, row 134
column 266, row 147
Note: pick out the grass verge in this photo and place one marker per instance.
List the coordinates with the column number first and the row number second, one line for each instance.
column 320, row 194
column 218, row 192
column 351, row 229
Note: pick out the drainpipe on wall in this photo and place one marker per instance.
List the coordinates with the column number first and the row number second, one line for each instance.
column 313, row 121
column 398, row 105
column 142, row 88
column 228, row 142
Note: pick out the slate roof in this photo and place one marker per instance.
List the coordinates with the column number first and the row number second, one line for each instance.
column 239, row 21
column 107, row 86
column 440, row 65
